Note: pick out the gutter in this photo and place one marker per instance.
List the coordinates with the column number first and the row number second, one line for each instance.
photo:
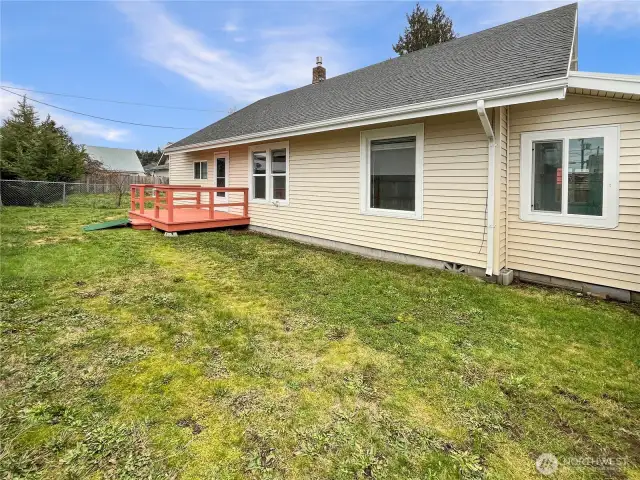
column 530, row 92
column 491, row 184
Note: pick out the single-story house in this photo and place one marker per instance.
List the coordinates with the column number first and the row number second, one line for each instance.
column 161, row 169
column 489, row 154
column 121, row 160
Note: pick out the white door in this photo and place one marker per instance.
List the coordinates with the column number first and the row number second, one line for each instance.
column 221, row 176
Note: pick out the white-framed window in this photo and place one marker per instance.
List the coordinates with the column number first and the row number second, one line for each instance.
column 269, row 173
column 200, row 170
column 570, row 176
column 391, row 171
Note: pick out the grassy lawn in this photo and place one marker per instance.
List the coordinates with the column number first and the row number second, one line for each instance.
column 230, row 355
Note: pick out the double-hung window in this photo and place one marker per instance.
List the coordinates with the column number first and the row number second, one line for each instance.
column 200, row 170
column 269, row 173
column 391, row 171
column 570, row 176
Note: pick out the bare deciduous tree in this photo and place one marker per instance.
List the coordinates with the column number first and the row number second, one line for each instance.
column 118, row 183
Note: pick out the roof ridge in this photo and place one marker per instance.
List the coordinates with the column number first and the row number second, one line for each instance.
column 111, row 148
column 454, row 40
column 521, row 51
column 420, row 51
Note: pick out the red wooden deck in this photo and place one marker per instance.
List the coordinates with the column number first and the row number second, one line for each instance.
column 174, row 208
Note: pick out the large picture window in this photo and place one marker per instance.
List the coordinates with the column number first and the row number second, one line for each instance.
column 391, row 171
column 269, row 165
column 570, row 177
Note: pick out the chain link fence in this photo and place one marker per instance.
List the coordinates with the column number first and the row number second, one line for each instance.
column 29, row 193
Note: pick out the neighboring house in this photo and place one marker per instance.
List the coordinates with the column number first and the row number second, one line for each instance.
column 161, row 169
column 120, row 160
column 488, row 154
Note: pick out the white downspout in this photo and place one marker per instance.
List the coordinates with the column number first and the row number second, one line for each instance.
column 491, row 185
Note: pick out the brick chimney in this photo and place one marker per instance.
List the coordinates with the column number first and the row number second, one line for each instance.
column 319, row 72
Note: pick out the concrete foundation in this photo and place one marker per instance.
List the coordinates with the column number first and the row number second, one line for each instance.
column 587, row 288
column 504, row 277
column 347, row 247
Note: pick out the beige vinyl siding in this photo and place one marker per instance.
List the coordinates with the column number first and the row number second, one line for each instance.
column 504, row 120
column 601, row 256
column 501, row 188
column 324, row 191
column 181, row 168
column 238, row 174
column 181, row 173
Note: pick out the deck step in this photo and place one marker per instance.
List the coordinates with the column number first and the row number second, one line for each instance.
column 137, row 224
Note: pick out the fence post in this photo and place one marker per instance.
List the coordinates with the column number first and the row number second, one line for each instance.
column 64, row 193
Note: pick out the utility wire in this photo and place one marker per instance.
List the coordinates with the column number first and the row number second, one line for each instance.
column 122, row 102
column 95, row 116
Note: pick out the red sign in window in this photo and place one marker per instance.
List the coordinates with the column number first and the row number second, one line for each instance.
column 559, row 176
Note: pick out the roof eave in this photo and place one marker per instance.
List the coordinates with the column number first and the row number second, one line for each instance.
column 606, row 82
column 531, row 92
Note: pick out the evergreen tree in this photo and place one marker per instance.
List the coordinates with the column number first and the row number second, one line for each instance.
column 18, row 135
column 424, row 30
column 56, row 157
column 32, row 150
column 149, row 157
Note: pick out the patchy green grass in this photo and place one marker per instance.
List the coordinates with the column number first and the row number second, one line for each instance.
column 95, row 200
column 230, row 355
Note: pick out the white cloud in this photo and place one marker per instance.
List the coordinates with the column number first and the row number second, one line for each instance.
column 610, row 14
column 599, row 14
column 283, row 60
column 81, row 130
column 230, row 27
column 87, row 128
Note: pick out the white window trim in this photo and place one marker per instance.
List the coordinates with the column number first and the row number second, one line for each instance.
column 366, row 136
column 268, row 147
column 610, row 187
column 222, row 154
column 193, row 169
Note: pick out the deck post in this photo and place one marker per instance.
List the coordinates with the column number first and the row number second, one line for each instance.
column 141, row 197
column 212, row 197
column 157, row 203
column 170, row 205
column 132, row 197
column 198, row 199
column 245, row 209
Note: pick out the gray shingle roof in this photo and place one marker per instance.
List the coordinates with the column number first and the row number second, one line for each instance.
column 531, row 49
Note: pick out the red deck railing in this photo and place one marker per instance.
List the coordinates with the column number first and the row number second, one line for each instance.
column 164, row 197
